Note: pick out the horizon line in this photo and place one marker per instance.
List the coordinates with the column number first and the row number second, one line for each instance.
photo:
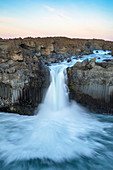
column 33, row 37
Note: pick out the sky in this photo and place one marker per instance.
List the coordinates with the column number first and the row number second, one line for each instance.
column 69, row 18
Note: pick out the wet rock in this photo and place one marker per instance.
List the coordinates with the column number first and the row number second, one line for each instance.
column 85, row 62
column 107, row 60
column 93, row 60
column 69, row 60
column 80, row 56
column 105, row 64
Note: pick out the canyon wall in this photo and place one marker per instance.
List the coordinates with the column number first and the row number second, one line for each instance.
column 91, row 84
column 24, row 75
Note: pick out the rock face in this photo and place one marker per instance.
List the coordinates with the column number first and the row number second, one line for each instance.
column 24, row 76
column 22, row 85
column 91, row 84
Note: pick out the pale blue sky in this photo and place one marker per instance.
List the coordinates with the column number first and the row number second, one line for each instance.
column 72, row 18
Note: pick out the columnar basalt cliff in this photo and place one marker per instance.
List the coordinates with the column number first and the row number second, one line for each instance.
column 91, row 84
column 22, row 86
column 24, row 75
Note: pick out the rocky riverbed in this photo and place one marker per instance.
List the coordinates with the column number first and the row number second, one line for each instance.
column 24, row 75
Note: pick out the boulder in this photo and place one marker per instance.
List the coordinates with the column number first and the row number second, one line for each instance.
column 69, row 60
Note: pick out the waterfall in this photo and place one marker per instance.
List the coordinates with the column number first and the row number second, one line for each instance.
column 60, row 131
column 57, row 95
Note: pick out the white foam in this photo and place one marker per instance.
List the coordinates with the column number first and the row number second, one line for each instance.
column 60, row 131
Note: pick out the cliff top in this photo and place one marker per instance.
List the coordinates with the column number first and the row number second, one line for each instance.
column 53, row 38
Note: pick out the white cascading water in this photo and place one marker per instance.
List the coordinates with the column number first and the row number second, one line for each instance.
column 57, row 97
column 59, row 131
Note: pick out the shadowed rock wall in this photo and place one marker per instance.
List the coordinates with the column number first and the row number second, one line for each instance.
column 91, row 84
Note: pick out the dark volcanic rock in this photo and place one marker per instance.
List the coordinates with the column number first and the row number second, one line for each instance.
column 22, row 86
column 69, row 60
column 23, row 74
column 92, row 87
column 112, row 52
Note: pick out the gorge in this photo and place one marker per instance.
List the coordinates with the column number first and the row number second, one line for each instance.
column 61, row 134
column 25, row 76
column 56, row 85
column 50, row 90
